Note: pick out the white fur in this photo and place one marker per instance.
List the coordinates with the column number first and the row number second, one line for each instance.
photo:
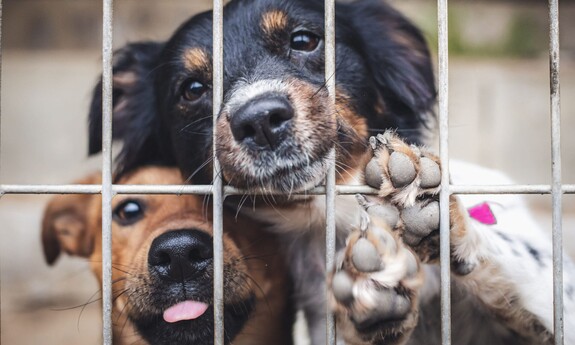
column 532, row 281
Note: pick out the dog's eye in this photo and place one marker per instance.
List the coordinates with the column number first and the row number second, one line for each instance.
column 192, row 90
column 128, row 212
column 304, row 41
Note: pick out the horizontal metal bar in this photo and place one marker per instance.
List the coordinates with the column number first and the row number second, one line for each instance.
column 207, row 189
column 509, row 189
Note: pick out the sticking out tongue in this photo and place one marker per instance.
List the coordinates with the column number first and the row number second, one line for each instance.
column 187, row 310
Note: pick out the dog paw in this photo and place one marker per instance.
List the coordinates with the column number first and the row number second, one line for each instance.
column 409, row 177
column 375, row 287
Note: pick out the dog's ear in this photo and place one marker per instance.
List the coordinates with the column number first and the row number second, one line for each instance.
column 398, row 58
column 134, row 106
column 65, row 225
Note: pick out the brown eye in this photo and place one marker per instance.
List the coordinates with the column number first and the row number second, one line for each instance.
column 192, row 90
column 304, row 41
column 128, row 212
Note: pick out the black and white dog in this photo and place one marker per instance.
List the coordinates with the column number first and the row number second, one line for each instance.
column 274, row 134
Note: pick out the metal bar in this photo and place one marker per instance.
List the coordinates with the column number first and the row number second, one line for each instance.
column 330, row 231
column 107, row 193
column 1, row 90
column 443, row 96
column 0, row 142
column 228, row 190
column 218, row 92
column 556, row 171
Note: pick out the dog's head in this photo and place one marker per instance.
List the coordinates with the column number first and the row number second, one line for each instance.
column 162, row 264
column 277, row 125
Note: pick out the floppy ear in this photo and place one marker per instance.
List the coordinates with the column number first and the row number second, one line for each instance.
column 65, row 225
column 399, row 59
column 134, row 106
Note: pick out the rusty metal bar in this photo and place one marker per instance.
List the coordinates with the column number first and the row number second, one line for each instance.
column 556, row 192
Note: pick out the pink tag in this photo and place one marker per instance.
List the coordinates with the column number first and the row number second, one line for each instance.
column 483, row 214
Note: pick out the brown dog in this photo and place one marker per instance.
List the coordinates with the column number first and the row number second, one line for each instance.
column 162, row 265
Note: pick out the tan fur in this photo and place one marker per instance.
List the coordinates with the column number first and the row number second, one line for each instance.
column 270, row 323
column 197, row 59
column 273, row 22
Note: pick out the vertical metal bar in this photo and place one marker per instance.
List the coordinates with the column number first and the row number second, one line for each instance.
column 330, row 239
column 0, row 142
column 107, row 193
column 444, row 156
column 556, row 187
column 0, row 93
column 218, row 86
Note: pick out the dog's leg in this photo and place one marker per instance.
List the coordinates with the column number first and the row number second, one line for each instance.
column 409, row 177
column 375, row 287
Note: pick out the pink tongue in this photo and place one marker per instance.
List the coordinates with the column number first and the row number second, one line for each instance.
column 187, row 310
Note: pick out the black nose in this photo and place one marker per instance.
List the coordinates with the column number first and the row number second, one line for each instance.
column 262, row 123
column 179, row 254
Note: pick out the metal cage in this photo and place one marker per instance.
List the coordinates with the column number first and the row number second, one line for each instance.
column 219, row 192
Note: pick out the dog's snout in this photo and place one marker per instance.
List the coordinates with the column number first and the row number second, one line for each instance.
column 178, row 255
column 262, row 123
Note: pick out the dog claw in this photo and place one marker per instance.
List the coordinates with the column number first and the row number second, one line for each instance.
column 430, row 174
column 365, row 256
column 401, row 169
column 420, row 221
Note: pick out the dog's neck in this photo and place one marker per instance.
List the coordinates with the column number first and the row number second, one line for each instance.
column 299, row 215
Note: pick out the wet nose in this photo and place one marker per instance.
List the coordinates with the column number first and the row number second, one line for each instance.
column 179, row 254
column 262, row 123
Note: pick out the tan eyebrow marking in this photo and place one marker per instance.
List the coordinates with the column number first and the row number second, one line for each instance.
column 197, row 59
column 274, row 21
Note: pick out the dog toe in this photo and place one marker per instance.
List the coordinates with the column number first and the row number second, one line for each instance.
column 365, row 257
column 401, row 169
column 430, row 173
column 420, row 220
column 374, row 174
column 342, row 287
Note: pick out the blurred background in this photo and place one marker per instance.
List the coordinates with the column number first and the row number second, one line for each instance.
column 499, row 117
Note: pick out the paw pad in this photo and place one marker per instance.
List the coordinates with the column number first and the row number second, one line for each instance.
column 430, row 174
column 373, row 174
column 420, row 221
column 401, row 169
column 342, row 287
column 365, row 256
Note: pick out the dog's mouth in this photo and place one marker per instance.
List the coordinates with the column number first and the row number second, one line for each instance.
column 186, row 310
column 192, row 322
column 273, row 173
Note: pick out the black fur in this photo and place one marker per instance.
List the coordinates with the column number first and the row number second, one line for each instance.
column 381, row 59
